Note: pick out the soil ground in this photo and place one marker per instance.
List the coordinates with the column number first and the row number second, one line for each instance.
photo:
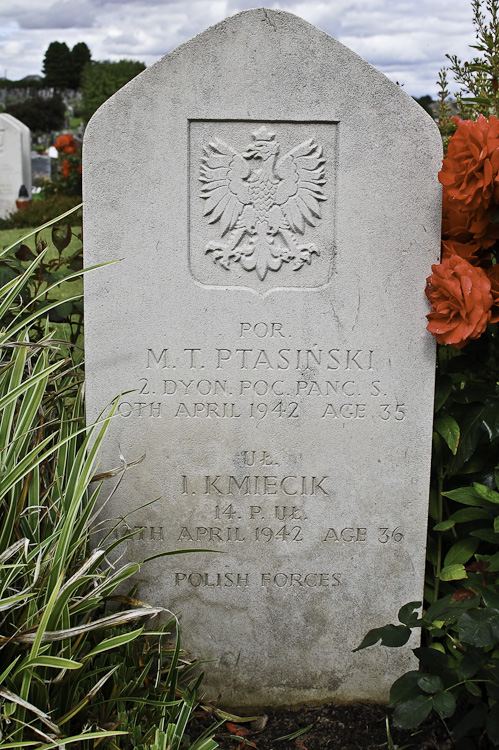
column 355, row 727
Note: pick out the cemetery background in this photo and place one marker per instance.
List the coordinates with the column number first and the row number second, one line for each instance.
column 479, row 436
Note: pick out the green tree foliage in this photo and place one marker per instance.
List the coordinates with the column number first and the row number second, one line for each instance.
column 57, row 65
column 426, row 102
column 63, row 67
column 80, row 56
column 100, row 80
column 40, row 115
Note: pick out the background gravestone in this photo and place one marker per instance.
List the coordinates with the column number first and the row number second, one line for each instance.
column 276, row 221
column 41, row 167
column 15, row 162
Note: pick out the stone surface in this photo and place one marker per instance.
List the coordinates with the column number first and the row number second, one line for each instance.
column 15, row 162
column 41, row 167
column 275, row 222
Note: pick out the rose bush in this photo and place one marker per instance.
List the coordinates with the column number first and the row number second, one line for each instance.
column 472, row 163
column 68, row 180
column 461, row 301
column 463, row 289
column 66, row 144
column 458, row 672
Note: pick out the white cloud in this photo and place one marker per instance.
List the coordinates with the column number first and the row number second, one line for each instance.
column 403, row 38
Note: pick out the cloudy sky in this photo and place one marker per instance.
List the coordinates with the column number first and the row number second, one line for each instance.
column 406, row 39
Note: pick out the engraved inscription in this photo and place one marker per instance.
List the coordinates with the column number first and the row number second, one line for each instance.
column 262, row 201
column 263, row 380
column 197, row 579
column 263, row 509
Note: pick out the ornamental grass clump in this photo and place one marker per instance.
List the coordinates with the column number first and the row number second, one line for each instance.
column 82, row 664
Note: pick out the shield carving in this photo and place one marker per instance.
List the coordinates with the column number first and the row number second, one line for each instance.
column 262, row 198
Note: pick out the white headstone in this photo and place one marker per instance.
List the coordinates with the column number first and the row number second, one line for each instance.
column 15, row 162
column 275, row 222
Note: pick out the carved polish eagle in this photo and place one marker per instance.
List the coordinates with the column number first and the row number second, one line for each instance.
column 262, row 201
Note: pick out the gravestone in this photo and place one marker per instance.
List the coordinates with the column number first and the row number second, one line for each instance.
column 265, row 326
column 41, row 167
column 15, row 162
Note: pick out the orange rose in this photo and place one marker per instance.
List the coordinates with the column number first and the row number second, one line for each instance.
column 472, row 163
column 461, row 301
column 493, row 275
column 66, row 168
column 66, row 144
column 470, row 250
column 463, row 226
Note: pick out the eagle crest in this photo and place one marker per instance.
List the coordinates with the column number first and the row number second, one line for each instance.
column 263, row 202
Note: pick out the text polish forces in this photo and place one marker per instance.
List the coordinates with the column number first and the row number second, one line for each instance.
column 279, row 580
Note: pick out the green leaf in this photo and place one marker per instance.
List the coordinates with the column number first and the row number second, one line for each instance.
column 431, row 658
column 453, row 572
column 494, row 564
column 56, row 662
column 465, row 495
column 469, row 664
column 470, row 433
column 473, row 688
column 469, row 514
column 408, row 614
column 116, row 641
column 460, row 553
column 444, row 525
column 483, row 491
column 444, row 704
column 448, row 428
column 490, row 417
column 404, row 688
column 443, row 388
column 479, row 627
column 446, row 610
column 392, row 636
column 430, row 683
column 487, row 535
column 294, row 735
column 61, row 312
column 412, row 712
column 490, row 596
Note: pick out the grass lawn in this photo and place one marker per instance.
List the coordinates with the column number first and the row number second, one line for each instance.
column 51, row 266
column 9, row 236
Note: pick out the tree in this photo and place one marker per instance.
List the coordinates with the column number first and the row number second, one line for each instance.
column 80, row 56
column 57, row 65
column 40, row 115
column 100, row 80
column 426, row 102
column 63, row 67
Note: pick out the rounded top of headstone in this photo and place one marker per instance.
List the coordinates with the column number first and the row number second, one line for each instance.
column 263, row 50
column 14, row 122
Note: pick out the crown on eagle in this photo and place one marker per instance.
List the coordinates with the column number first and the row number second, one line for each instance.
column 263, row 134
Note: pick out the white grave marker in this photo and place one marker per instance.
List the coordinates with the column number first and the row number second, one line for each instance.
column 276, row 221
column 15, row 162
